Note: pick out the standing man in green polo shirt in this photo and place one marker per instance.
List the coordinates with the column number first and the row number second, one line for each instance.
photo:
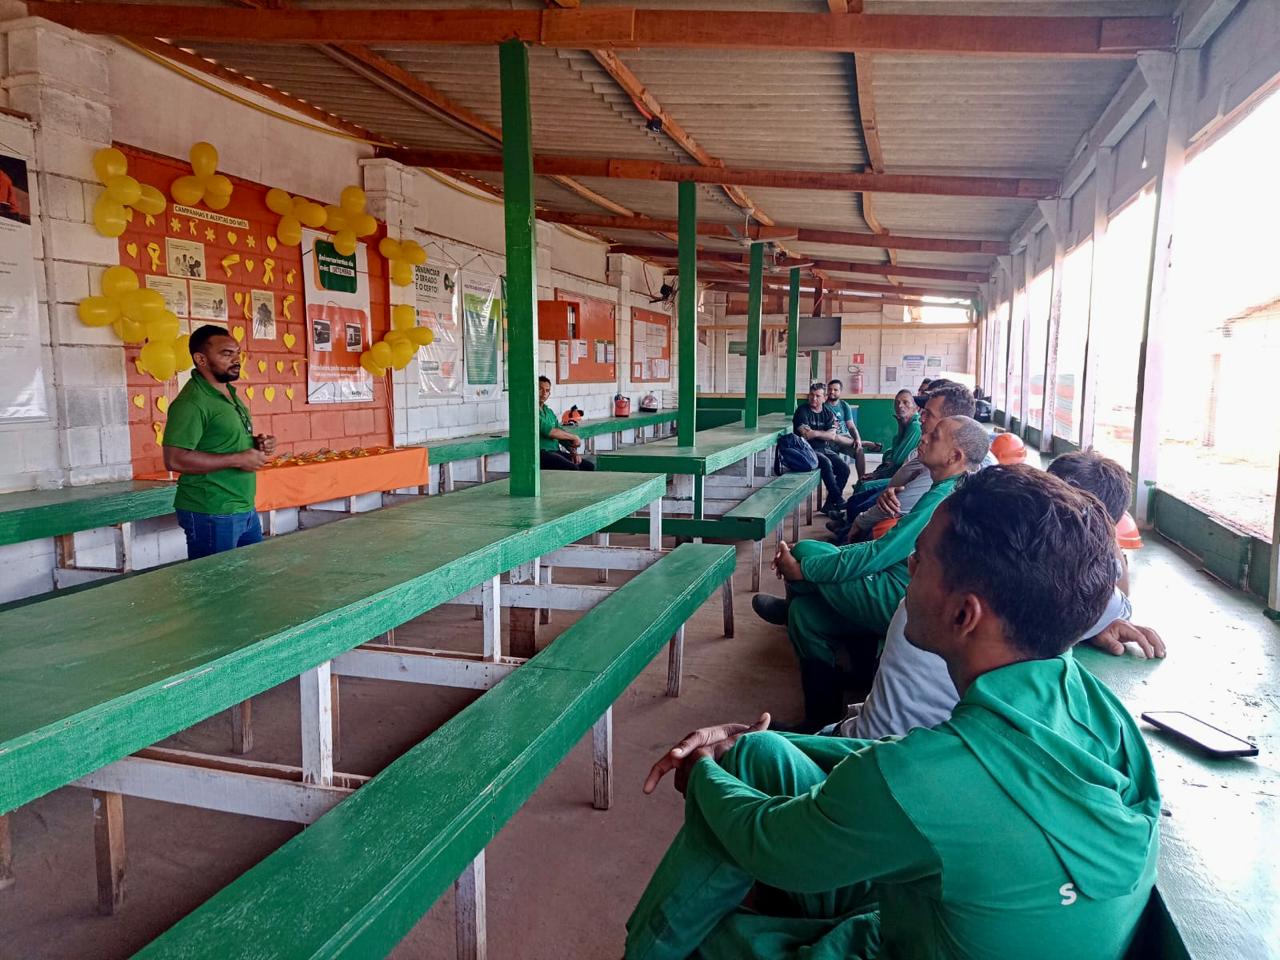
column 209, row 440
column 557, row 448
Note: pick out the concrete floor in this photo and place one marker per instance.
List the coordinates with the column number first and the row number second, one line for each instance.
column 562, row 877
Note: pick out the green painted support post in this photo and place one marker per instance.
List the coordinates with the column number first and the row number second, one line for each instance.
column 793, row 335
column 688, row 357
column 522, row 270
column 813, row 367
column 751, row 395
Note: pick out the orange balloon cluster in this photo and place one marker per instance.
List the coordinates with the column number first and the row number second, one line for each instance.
column 121, row 191
column 402, row 256
column 398, row 347
column 204, row 182
column 138, row 315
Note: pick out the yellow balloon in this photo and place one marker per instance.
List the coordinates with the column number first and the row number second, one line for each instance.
column 279, row 201
column 158, row 359
column 381, row 353
column 98, row 311
column 289, row 230
column 367, row 361
column 364, row 224
column 401, row 273
column 166, row 327
column 182, row 351
column 117, row 281
column 344, row 241
column 411, row 251
column 390, row 249
column 313, row 215
column 109, row 162
column 218, row 185
column 334, row 219
column 109, row 218
column 396, row 336
column 144, row 306
column 217, row 201
column 130, row 331
column 403, row 316
column 204, row 159
column 187, row 191
column 421, row 336
column 150, row 201
column 402, row 353
column 352, row 201
column 124, row 190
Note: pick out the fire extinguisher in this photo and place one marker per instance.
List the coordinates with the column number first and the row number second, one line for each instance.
column 855, row 380
column 621, row 405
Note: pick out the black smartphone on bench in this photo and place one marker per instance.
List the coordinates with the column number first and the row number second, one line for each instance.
column 1208, row 738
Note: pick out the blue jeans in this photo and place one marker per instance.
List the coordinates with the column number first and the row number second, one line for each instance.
column 210, row 533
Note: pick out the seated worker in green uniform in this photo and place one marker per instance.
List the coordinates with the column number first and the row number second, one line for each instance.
column 846, row 596
column 1025, row 826
column 557, row 448
column 904, row 443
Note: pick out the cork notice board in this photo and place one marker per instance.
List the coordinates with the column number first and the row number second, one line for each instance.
column 650, row 346
column 590, row 356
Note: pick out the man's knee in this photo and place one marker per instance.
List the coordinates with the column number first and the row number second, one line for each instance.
column 754, row 754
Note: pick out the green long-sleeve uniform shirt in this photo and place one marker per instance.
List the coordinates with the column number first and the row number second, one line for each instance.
column 1025, row 826
column 853, row 590
column 895, row 455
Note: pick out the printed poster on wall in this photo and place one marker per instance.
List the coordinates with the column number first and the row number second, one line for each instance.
column 440, row 362
column 481, row 318
column 912, row 368
column 336, row 290
column 22, row 386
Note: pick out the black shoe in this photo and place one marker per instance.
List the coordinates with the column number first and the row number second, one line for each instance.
column 823, row 698
column 771, row 609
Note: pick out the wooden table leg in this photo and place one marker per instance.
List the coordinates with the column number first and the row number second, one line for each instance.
column 522, row 626
column 726, row 593
column 7, row 878
column 108, row 849
column 242, row 727
column 469, row 912
column 316, row 708
column 757, row 563
column 336, row 709
column 675, row 663
column 602, row 761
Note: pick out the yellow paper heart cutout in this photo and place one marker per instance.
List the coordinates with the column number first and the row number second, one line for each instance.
column 288, row 392
column 131, row 249
column 289, row 341
column 162, row 404
column 248, row 392
column 262, row 366
column 238, row 297
column 271, row 244
column 231, row 237
column 238, row 333
column 279, row 366
column 269, row 393
column 139, row 401
column 249, row 265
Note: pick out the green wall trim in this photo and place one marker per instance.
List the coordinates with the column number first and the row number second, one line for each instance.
column 1234, row 557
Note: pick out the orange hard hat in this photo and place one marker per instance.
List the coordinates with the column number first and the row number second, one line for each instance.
column 1008, row 448
column 1127, row 535
column 883, row 527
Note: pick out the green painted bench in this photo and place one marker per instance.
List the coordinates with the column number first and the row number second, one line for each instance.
column 93, row 676
column 357, row 880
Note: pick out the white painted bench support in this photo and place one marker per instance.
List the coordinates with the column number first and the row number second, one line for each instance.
column 602, row 761
column 544, row 615
column 757, row 564
column 655, row 525
column 601, row 540
column 603, row 558
column 316, row 704
column 490, row 603
column 469, row 912
column 442, row 668
column 537, row 596
column 675, row 663
column 68, row 573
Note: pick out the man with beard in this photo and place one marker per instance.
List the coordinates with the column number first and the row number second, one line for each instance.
column 209, row 440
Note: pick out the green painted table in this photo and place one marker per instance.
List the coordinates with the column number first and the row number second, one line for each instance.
column 91, row 677
column 1220, row 845
column 712, row 450
column 36, row 514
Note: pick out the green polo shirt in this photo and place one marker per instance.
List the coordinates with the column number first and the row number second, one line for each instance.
column 546, row 423
column 204, row 418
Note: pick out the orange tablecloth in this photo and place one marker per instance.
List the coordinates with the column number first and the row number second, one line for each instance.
column 300, row 484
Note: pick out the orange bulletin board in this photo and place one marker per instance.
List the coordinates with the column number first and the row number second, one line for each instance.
column 230, row 261
column 589, row 357
column 650, row 346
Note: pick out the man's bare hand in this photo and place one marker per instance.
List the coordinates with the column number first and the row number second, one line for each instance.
column 252, row 459
column 1114, row 637
column 785, row 564
column 266, row 443
column 707, row 741
column 888, row 501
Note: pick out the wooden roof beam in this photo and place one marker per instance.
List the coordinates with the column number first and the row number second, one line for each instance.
column 801, row 234
column 852, row 286
column 624, row 27
column 835, row 266
column 942, row 185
